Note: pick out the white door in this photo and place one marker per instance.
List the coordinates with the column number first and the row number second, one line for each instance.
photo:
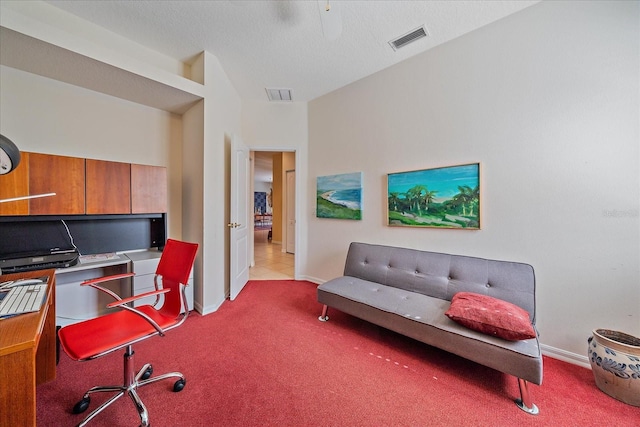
column 239, row 220
column 291, row 212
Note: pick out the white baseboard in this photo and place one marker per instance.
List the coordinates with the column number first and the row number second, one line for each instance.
column 312, row 279
column 565, row 356
column 208, row 309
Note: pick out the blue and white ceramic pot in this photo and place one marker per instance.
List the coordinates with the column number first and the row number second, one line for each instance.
column 615, row 362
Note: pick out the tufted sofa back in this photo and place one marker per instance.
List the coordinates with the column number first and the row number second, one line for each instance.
column 442, row 275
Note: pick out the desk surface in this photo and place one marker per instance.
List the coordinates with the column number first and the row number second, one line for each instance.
column 99, row 263
column 23, row 331
column 114, row 259
column 27, row 356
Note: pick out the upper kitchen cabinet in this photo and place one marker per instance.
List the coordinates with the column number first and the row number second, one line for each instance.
column 15, row 184
column 62, row 175
column 108, row 187
column 82, row 186
column 148, row 189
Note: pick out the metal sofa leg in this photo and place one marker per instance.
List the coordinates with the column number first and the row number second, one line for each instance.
column 525, row 402
column 323, row 317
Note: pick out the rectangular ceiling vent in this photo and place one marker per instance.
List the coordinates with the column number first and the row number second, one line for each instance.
column 408, row 38
column 279, row 94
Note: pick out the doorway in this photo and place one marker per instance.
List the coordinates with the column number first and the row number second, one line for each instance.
column 273, row 257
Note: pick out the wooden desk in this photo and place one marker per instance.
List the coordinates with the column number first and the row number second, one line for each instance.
column 27, row 356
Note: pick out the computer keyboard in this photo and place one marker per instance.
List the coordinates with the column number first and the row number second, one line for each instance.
column 23, row 299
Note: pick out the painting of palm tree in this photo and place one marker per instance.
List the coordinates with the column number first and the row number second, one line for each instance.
column 447, row 197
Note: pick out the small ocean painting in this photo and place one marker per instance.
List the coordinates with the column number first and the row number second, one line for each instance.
column 447, row 197
column 340, row 196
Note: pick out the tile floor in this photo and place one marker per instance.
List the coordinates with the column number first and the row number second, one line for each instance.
column 271, row 262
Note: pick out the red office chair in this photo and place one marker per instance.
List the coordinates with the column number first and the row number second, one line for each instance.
column 97, row 337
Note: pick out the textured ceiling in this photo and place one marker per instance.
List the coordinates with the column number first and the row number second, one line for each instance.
column 280, row 44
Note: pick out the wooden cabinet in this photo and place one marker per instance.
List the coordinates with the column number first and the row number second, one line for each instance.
column 148, row 189
column 83, row 186
column 56, row 174
column 108, row 187
column 15, row 184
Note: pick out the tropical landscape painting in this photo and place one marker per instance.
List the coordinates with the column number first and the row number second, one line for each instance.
column 339, row 196
column 447, row 197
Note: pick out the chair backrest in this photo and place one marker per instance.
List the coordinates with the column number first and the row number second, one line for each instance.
column 174, row 269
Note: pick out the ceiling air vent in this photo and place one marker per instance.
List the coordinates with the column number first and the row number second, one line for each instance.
column 279, row 94
column 410, row 37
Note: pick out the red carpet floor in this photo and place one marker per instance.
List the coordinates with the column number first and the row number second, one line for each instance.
column 265, row 360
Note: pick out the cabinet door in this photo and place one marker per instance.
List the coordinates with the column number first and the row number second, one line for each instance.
column 15, row 184
column 56, row 174
column 108, row 187
column 148, row 189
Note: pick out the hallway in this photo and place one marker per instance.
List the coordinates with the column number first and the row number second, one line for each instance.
column 270, row 262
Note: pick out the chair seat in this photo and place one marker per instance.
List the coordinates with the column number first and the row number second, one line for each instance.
column 91, row 337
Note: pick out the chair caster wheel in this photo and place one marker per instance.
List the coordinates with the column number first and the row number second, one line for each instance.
column 82, row 405
column 179, row 385
column 147, row 373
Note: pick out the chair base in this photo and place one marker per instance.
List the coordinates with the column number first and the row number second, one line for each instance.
column 132, row 381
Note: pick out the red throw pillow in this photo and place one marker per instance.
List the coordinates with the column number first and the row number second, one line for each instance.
column 491, row 316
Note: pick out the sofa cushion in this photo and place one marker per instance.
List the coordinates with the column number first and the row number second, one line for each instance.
column 422, row 318
column 414, row 312
column 491, row 316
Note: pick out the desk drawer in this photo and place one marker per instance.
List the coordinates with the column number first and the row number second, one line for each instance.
column 75, row 303
column 145, row 266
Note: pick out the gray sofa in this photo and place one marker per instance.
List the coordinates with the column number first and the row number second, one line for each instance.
column 408, row 291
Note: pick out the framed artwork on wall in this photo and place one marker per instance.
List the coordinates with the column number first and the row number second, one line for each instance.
column 339, row 196
column 446, row 197
column 260, row 202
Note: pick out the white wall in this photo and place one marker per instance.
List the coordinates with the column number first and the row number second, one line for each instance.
column 261, row 186
column 273, row 126
column 46, row 116
column 86, row 121
column 192, row 192
column 222, row 118
column 547, row 100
